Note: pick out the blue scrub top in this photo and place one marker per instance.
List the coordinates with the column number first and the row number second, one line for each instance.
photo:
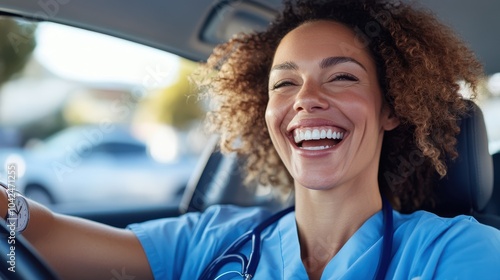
column 425, row 246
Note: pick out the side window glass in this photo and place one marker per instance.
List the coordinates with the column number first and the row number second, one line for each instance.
column 86, row 118
column 490, row 105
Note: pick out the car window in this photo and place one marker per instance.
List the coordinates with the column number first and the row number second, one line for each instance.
column 92, row 119
column 490, row 104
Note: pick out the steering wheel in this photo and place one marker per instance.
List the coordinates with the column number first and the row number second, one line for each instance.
column 19, row 261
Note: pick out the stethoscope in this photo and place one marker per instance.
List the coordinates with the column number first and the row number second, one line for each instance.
column 249, row 265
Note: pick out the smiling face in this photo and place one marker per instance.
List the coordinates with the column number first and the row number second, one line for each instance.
column 325, row 113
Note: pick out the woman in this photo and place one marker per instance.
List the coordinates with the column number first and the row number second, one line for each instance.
column 325, row 101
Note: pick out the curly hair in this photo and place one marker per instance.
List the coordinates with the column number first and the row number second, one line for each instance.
column 420, row 65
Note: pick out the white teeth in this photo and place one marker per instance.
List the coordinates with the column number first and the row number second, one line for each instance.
column 329, row 134
column 316, row 148
column 308, row 135
column 316, row 134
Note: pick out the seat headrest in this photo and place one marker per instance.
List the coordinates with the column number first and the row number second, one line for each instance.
column 468, row 185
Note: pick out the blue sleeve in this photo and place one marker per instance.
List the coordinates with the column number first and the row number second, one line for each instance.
column 180, row 247
column 431, row 247
column 165, row 241
column 472, row 252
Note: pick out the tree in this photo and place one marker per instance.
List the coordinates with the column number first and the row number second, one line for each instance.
column 17, row 42
column 177, row 104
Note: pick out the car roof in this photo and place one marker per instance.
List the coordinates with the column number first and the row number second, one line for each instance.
column 164, row 24
column 158, row 23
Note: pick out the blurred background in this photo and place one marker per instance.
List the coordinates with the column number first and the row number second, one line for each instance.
column 89, row 118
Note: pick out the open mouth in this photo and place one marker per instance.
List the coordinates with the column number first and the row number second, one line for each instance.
column 318, row 138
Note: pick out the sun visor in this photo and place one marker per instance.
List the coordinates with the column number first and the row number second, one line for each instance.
column 232, row 17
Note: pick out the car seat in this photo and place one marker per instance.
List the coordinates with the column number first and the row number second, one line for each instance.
column 493, row 206
column 468, row 186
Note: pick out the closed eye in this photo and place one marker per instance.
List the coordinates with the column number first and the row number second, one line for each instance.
column 343, row 77
column 282, row 84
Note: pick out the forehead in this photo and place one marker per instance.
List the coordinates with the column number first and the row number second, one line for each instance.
column 319, row 39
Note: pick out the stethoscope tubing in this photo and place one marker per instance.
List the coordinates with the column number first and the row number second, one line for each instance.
column 249, row 266
column 386, row 257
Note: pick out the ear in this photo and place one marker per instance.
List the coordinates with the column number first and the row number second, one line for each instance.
column 389, row 120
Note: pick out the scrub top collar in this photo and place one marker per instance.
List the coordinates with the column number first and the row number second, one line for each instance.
column 366, row 242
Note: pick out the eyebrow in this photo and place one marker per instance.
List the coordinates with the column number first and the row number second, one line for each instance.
column 325, row 63
column 285, row 66
column 334, row 60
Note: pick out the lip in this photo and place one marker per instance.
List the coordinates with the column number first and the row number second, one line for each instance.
column 304, row 123
column 317, row 153
column 316, row 122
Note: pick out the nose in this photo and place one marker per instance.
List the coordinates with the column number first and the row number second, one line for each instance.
column 310, row 98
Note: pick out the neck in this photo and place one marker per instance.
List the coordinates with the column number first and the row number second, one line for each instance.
column 326, row 219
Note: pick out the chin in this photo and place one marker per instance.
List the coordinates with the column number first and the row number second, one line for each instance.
column 314, row 184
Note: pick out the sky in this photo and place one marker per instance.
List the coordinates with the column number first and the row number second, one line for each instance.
column 69, row 52
column 83, row 56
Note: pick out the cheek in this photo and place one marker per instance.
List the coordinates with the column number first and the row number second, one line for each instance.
column 361, row 107
column 275, row 114
column 277, row 117
column 270, row 121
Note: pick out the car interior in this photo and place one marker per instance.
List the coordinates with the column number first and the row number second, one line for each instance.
column 191, row 28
